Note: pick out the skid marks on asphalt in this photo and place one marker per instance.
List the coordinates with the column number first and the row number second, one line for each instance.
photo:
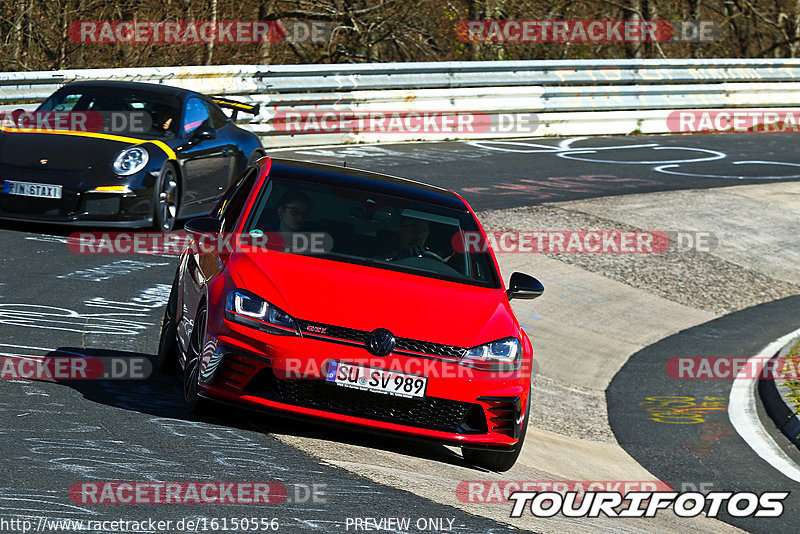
column 131, row 317
column 101, row 273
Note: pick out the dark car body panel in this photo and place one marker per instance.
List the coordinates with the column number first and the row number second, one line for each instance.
column 81, row 161
column 370, row 181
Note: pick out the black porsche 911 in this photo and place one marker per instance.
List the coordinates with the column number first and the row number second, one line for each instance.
column 126, row 172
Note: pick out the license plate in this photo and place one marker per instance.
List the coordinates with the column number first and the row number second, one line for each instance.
column 375, row 379
column 28, row 189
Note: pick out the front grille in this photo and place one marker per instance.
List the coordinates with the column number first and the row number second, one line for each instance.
column 430, row 413
column 339, row 332
column 96, row 205
column 361, row 337
column 49, row 207
column 425, row 347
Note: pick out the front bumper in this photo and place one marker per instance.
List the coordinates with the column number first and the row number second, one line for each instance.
column 82, row 220
column 462, row 406
column 78, row 205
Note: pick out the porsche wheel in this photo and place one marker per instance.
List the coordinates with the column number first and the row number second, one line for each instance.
column 167, row 199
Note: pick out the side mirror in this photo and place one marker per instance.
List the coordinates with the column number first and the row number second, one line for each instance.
column 202, row 226
column 204, row 132
column 523, row 286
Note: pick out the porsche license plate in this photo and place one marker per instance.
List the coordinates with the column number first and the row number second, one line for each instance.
column 378, row 380
column 28, row 189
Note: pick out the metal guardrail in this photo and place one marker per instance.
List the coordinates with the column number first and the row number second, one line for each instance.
column 569, row 97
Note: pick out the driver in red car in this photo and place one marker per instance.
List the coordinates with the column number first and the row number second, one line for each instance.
column 292, row 214
column 293, row 209
column 412, row 234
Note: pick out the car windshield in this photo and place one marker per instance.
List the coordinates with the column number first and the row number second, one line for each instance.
column 124, row 111
column 375, row 229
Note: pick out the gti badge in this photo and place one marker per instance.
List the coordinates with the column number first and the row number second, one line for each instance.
column 381, row 342
column 316, row 329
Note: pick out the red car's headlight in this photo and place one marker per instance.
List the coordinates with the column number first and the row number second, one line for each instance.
column 251, row 310
column 503, row 354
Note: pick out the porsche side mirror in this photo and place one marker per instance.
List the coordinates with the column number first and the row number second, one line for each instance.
column 204, row 132
column 523, row 286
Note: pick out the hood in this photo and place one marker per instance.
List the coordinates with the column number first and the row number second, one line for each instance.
column 367, row 298
column 63, row 152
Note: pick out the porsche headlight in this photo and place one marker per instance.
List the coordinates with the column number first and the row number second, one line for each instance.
column 501, row 354
column 130, row 161
column 248, row 309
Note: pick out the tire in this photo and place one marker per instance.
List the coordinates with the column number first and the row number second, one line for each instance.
column 498, row 461
column 166, row 198
column 193, row 402
column 167, row 360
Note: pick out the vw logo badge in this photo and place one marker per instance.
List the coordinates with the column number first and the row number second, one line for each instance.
column 381, row 342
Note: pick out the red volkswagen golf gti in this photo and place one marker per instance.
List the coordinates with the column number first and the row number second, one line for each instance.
column 352, row 297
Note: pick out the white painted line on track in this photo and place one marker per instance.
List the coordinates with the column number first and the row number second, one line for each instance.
column 744, row 418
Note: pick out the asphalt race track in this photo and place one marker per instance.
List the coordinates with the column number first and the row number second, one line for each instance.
column 708, row 451
column 55, row 434
column 504, row 174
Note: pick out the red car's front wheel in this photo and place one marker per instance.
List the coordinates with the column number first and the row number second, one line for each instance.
column 191, row 371
column 167, row 361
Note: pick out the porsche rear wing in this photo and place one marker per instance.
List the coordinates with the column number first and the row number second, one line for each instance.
column 236, row 106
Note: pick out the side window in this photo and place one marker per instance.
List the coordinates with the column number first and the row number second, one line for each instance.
column 231, row 204
column 195, row 113
column 218, row 118
column 67, row 102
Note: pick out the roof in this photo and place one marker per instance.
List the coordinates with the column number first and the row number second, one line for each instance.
column 374, row 181
column 165, row 90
